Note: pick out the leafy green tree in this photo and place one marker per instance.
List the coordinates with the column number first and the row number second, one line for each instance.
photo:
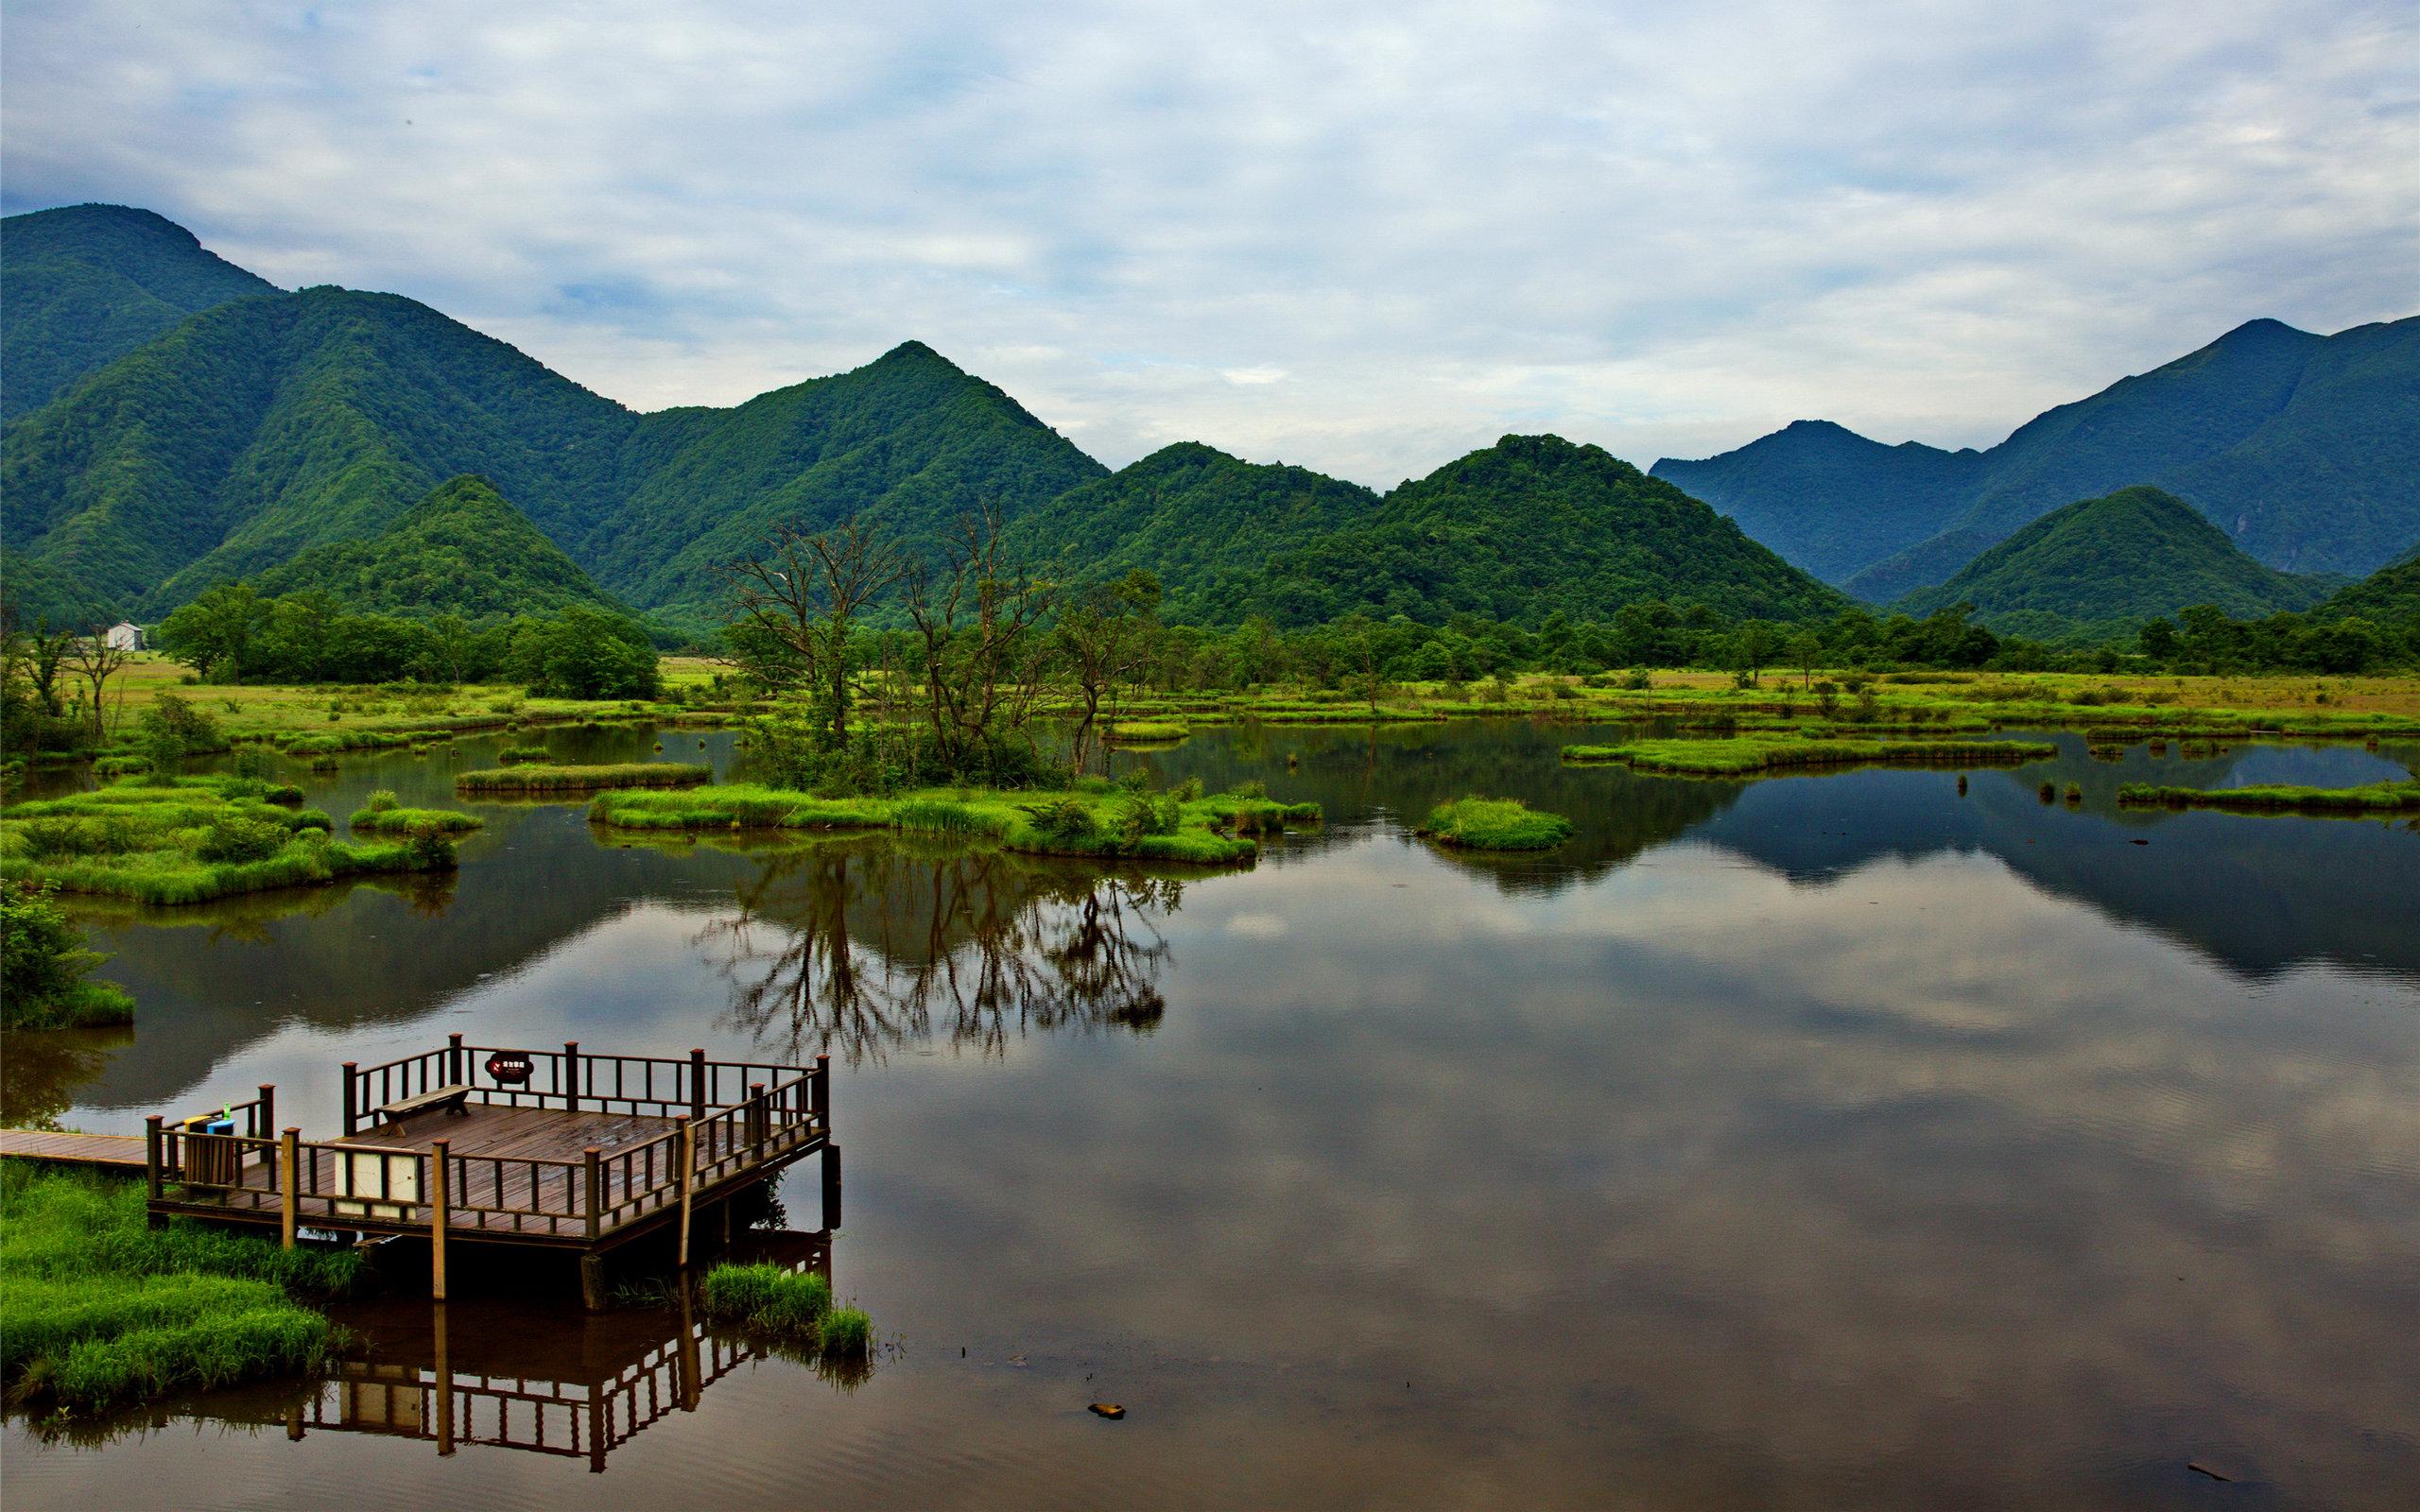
column 214, row 634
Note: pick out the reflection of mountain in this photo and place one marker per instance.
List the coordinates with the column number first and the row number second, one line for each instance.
column 2258, row 896
column 855, row 948
column 1398, row 773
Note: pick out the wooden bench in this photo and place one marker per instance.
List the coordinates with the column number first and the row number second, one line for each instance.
column 448, row 1098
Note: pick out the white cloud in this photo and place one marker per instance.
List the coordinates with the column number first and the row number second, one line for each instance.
column 1663, row 229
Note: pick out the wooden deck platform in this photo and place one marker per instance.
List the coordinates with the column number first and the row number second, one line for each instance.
column 121, row 1152
column 560, row 1150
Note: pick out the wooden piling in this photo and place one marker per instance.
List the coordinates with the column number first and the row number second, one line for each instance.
column 152, row 1141
column 441, row 1200
column 592, row 1282
column 831, row 1186
column 571, row 1075
column 456, row 1073
column 289, row 1184
column 594, row 1187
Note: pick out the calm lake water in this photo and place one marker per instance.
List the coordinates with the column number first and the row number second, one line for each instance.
column 1832, row 1141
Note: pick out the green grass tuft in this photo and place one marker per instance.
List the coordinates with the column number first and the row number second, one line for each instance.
column 98, row 1310
column 1495, row 824
column 793, row 1307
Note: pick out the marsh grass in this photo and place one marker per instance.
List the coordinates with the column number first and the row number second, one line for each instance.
column 1214, row 830
column 2372, row 799
column 515, row 755
column 97, row 1310
column 1149, row 733
column 1749, row 754
column 413, row 821
column 549, row 777
column 189, row 841
column 1495, row 824
column 792, row 1308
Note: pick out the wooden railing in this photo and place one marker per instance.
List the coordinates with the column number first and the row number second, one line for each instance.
column 568, row 1078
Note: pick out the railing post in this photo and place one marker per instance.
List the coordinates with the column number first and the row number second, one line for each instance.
column 594, row 1188
column 571, row 1075
column 452, row 1061
column 758, row 1118
column 697, row 1085
column 289, row 1184
column 440, row 1214
column 688, row 1182
column 349, row 1113
column 152, row 1156
column 265, row 1116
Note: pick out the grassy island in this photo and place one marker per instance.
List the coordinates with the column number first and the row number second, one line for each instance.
column 1213, row 830
column 97, row 1310
column 1495, row 824
column 191, row 841
column 2370, row 800
column 1149, row 732
column 1747, row 755
column 511, row 782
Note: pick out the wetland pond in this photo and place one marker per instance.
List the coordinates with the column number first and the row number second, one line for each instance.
column 1844, row 1141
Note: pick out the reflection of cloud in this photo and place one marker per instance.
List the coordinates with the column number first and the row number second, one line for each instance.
column 1731, row 1178
column 1257, row 926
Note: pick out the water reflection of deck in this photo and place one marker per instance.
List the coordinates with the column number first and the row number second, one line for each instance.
column 579, row 1386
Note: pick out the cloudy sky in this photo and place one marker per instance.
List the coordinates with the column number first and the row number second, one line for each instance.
column 1364, row 237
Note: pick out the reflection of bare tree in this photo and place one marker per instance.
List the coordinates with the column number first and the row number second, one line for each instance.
column 855, row 948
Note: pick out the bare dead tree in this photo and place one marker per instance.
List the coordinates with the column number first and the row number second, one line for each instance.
column 800, row 602
column 976, row 621
column 93, row 658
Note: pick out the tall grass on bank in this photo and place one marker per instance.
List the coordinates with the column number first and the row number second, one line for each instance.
column 535, row 778
column 2375, row 798
column 191, row 841
column 1213, row 830
column 1745, row 755
column 1495, row 824
column 793, row 1308
column 97, row 1310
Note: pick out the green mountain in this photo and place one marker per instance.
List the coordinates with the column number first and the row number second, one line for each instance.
column 2305, row 449
column 1526, row 528
column 2391, row 596
column 263, row 428
column 2105, row 565
column 85, row 285
column 1207, row 523
column 462, row 550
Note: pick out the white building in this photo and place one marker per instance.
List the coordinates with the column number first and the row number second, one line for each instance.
column 126, row 636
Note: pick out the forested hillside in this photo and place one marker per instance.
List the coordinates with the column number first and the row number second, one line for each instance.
column 1533, row 527
column 2305, row 449
column 83, row 285
column 462, row 550
column 2103, row 566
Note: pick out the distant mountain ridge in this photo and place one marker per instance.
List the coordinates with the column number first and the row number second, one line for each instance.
column 225, row 428
column 2103, row 566
column 2303, row 448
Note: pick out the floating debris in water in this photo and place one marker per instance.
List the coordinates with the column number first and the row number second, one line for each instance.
column 1114, row 1412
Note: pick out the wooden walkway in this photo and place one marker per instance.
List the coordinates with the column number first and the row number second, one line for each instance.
column 122, row 1152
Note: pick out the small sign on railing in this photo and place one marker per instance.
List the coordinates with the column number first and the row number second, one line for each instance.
column 511, row 1068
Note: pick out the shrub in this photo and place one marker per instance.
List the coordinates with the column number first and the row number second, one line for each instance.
column 1062, row 820
column 43, row 964
column 237, row 837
